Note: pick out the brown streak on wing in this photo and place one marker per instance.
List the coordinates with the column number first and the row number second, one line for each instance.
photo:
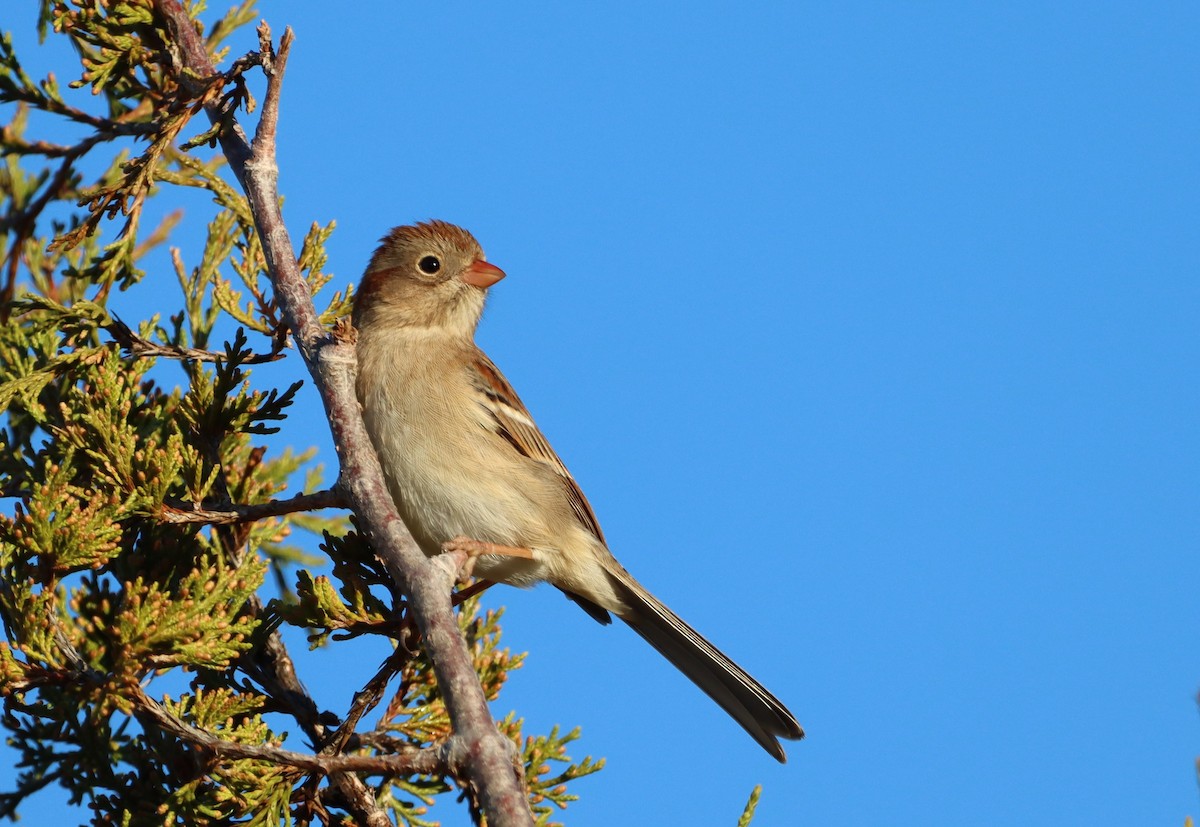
column 515, row 425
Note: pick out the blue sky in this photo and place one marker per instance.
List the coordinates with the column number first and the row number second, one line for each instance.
column 869, row 330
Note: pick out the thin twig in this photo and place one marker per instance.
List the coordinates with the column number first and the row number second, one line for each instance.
column 23, row 223
column 366, row 699
column 274, row 65
column 434, row 761
column 107, row 129
column 9, row 802
column 178, row 512
column 135, row 346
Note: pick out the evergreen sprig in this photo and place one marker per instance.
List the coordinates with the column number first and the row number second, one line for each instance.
column 143, row 490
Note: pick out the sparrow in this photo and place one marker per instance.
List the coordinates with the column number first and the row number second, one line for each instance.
column 470, row 471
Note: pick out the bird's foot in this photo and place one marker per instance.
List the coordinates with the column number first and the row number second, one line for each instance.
column 474, row 549
column 465, row 592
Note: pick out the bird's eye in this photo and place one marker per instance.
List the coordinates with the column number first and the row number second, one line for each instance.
column 430, row 265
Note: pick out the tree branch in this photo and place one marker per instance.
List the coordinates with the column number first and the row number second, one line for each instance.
column 184, row 513
column 435, row 762
column 134, row 345
column 487, row 761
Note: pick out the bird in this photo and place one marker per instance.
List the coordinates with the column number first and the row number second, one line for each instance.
column 470, row 471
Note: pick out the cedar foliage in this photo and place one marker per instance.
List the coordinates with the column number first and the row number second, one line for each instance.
column 131, row 613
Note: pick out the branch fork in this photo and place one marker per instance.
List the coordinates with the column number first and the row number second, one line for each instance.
column 478, row 747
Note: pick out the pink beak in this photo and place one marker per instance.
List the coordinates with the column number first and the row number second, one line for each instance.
column 481, row 274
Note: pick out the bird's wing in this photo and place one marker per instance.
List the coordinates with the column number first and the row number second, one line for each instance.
column 512, row 421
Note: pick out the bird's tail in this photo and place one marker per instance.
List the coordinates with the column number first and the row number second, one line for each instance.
column 746, row 700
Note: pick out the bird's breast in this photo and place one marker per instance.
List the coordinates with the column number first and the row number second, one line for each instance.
column 448, row 472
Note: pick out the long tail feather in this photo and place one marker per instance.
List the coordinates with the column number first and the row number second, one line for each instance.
column 746, row 700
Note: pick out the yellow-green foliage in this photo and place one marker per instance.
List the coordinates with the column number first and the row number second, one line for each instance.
column 118, row 442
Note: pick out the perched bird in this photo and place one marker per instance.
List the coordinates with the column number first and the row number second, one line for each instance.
column 469, row 469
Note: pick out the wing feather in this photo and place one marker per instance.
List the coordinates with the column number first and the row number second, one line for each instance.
column 512, row 422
